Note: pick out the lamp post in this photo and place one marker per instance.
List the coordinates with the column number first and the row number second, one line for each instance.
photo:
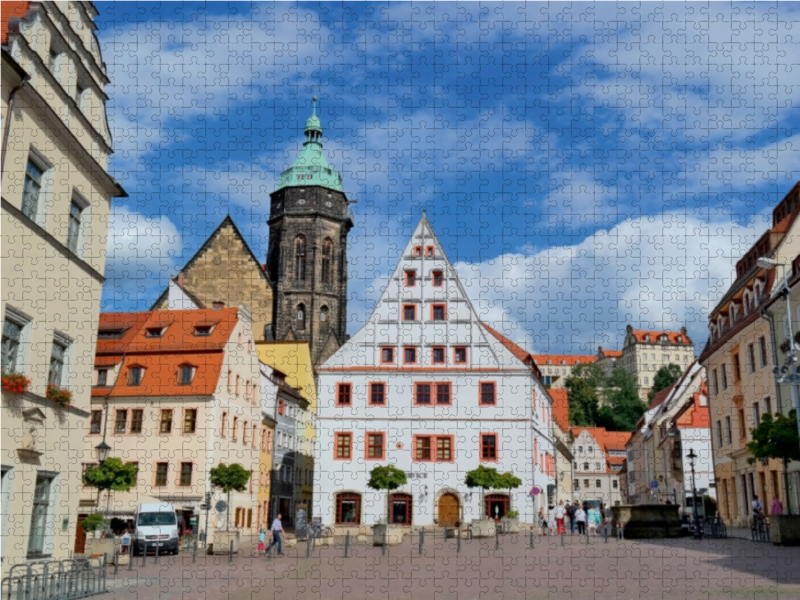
column 102, row 450
column 698, row 533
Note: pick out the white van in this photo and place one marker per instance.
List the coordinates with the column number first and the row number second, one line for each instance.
column 156, row 526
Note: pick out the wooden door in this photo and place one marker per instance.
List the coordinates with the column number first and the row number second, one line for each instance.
column 448, row 510
column 80, row 536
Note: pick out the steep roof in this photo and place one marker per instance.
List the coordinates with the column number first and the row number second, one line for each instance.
column 514, row 348
column 560, row 408
column 662, row 395
column 11, row 10
column 610, row 353
column 563, row 359
column 643, row 336
column 608, row 440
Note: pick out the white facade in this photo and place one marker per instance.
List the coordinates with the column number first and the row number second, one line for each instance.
column 428, row 414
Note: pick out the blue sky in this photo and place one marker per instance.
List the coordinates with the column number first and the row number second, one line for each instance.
column 586, row 166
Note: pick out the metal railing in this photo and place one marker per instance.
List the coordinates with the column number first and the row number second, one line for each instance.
column 759, row 529
column 55, row 580
column 714, row 527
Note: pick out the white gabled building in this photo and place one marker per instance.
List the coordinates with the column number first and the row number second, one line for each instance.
column 428, row 388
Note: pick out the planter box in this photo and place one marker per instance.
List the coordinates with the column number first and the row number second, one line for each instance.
column 123, row 560
column 223, row 539
column 482, row 528
column 394, row 534
column 510, row 524
column 324, row 540
column 784, row 530
column 98, row 547
column 647, row 521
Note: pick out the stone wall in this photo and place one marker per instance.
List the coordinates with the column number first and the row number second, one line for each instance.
column 647, row 521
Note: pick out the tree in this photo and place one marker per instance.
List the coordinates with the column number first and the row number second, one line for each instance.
column 665, row 377
column 231, row 478
column 776, row 437
column 386, row 478
column 93, row 522
column 485, row 478
column 112, row 474
column 583, row 394
column 622, row 408
column 508, row 481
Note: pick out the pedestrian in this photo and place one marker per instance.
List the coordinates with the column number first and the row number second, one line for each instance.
column 126, row 542
column 542, row 522
column 571, row 513
column 580, row 518
column 758, row 506
column 594, row 519
column 560, row 513
column 277, row 531
column 551, row 518
column 262, row 538
column 608, row 519
column 776, row 506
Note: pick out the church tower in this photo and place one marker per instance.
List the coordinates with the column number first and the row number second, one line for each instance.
column 307, row 256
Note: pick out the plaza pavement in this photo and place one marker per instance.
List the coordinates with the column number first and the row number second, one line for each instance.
column 647, row 570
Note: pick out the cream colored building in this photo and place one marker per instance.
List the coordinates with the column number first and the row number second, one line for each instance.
column 55, row 204
column 555, row 368
column 739, row 357
column 598, row 457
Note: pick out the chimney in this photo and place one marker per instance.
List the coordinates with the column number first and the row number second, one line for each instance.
column 218, row 304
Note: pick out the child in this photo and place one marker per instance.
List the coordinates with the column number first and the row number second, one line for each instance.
column 126, row 542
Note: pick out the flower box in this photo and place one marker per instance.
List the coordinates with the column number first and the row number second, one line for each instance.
column 16, row 383
column 59, row 395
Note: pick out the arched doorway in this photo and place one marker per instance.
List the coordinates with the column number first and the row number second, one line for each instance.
column 448, row 510
column 496, row 506
column 400, row 505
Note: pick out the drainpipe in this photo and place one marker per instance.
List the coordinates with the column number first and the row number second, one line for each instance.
column 9, row 112
column 769, row 316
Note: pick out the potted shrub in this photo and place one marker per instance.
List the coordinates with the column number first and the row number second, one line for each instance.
column 16, row 383
column 386, row 478
column 509, row 481
column 229, row 478
column 99, row 540
column 511, row 522
column 484, row 478
column 60, row 396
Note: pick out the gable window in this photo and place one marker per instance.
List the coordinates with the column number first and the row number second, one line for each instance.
column 301, row 316
column 438, row 312
column 438, row 356
column 387, row 355
column 300, row 258
column 327, row 254
column 137, row 417
column 409, row 356
column 488, row 396
column 121, row 421
column 190, row 420
column 443, row 393
column 343, row 444
column 416, row 252
column 437, row 279
column 410, row 278
column 422, row 395
column 377, row 393
column 185, row 375
column 375, row 446
column 409, row 312
column 428, row 251
column 344, row 394
column 460, row 355
column 165, row 423
column 31, row 190
column 97, row 421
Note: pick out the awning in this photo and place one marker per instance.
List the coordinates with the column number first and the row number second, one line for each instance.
column 123, row 503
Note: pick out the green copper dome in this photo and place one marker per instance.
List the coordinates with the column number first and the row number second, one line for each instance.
column 311, row 168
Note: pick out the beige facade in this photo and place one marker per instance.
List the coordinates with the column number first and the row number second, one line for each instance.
column 555, row 368
column 598, row 457
column 55, row 206
column 738, row 358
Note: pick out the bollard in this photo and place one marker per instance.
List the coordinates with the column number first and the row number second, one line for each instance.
column 562, row 539
column 458, row 541
column 496, row 538
column 116, row 562
column 347, row 545
column 383, row 548
column 130, row 557
column 144, row 553
column 309, row 541
column 531, row 541
column 156, row 561
column 194, row 551
column 230, row 552
column 421, row 539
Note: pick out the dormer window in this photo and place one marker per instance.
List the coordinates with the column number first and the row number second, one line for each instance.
column 135, row 375
column 102, row 377
column 109, row 334
column 185, row 374
column 203, row 330
column 155, row 332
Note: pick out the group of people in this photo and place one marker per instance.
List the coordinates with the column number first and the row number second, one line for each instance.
column 582, row 517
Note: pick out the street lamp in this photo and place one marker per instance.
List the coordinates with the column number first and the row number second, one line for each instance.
column 697, row 531
column 102, row 449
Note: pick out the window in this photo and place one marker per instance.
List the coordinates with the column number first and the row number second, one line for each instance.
column 438, row 312
column 102, row 377
column 437, row 278
column 409, row 312
column 202, row 330
column 185, row 375
column 343, row 444
column 410, row 278
column 585, row 466
column 57, row 359
column 186, row 474
column 301, row 316
column 762, row 346
column 409, row 356
column 165, row 425
column 422, row 394
column 137, row 416
column 31, row 190
column 460, row 355
column 488, row 446
column 714, row 382
column 444, row 448
column 443, row 395
column 323, row 314
column 488, row 393
column 348, row 509
column 416, row 252
column 596, row 466
column 742, row 424
column 719, row 433
column 121, row 421
column 387, row 355
column 154, row 332
column 751, row 357
column 245, row 431
column 728, row 430
column 724, row 372
column 375, row 446
column 767, row 406
column 756, row 414
column 224, row 425
column 190, row 420
column 344, row 394
column 597, row 483
column 422, row 448
column 737, row 373
column 614, row 484
column 438, row 356
column 39, row 514
column 97, row 421
column 161, row 474
column 235, row 429
column 377, row 393
column 135, row 375
column 327, row 254
column 74, row 226
column 428, row 251
column 52, row 57
column 586, row 483
column 280, row 406
column 300, row 258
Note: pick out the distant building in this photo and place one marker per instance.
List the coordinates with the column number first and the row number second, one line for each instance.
column 561, row 437
column 608, row 359
column 555, row 368
column 598, row 458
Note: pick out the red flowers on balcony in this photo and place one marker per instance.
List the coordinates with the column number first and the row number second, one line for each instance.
column 16, row 383
column 59, row 395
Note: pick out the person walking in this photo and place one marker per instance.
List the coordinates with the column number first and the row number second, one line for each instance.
column 593, row 519
column 580, row 518
column 262, row 538
column 608, row 519
column 560, row 514
column 571, row 513
column 277, row 531
column 551, row 518
column 776, row 506
column 542, row 522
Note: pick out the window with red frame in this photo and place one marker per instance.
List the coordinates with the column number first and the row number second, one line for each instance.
column 433, row 448
column 438, row 356
column 422, row 393
column 409, row 356
column 443, row 393
column 422, row 450
column 438, row 279
column 375, row 446
column 411, row 278
column 488, row 395
column 280, row 406
column 387, row 355
column 488, row 446
column 460, row 355
column 344, row 394
column 344, row 445
column 409, row 312
column 438, row 312
column 444, row 449
column 428, row 251
column 377, row 393
column 417, row 251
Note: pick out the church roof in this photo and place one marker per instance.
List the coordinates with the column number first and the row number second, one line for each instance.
column 311, row 168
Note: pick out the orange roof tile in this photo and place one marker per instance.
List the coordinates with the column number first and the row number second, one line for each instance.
column 641, row 336
column 612, row 353
column 515, row 350
column 11, row 10
column 563, row 359
column 608, row 440
column 560, row 408
column 661, row 396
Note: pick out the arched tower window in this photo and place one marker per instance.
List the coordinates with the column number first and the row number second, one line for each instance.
column 323, row 314
column 300, row 258
column 301, row 316
column 327, row 254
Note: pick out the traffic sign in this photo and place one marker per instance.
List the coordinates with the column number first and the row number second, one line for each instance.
column 221, row 506
column 536, row 490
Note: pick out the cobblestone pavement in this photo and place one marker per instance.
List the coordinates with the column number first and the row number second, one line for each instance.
column 683, row 568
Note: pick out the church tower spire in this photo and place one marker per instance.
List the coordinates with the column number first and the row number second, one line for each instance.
column 309, row 222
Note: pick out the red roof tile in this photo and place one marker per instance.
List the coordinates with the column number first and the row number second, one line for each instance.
column 661, row 396
column 515, row 350
column 560, row 408
column 11, row 10
column 641, row 336
column 563, row 359
column 612, row 353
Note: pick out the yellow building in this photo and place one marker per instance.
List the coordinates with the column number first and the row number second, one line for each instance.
column 264, row 470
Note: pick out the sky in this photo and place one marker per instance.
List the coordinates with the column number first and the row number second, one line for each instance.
column 585, row 166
